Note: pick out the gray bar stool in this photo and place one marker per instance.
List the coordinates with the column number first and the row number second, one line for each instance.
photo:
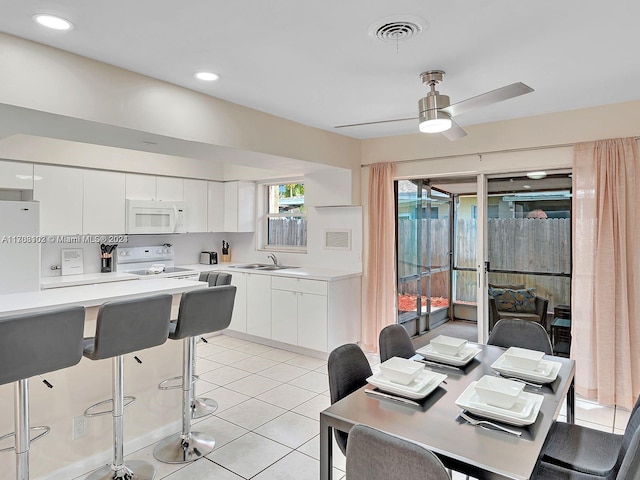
column 201, row 311
column 31, row 345
column 200, row 407
column 124, row 327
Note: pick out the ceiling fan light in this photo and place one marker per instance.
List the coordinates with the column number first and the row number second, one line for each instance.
column 536, row 175
column 434, row 121
column 435, row 125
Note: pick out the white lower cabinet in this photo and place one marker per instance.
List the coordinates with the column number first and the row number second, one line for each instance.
column 299, row 312
column 284, row 316
column 312, row 321
column 239, row 317
column 313, row 314
column 259, row 305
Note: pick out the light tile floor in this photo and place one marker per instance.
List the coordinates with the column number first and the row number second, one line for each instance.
column 267, row 423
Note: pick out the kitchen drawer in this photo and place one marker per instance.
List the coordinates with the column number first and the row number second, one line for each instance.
column 317, row 287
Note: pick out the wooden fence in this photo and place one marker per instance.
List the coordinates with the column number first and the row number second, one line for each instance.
column 533, row 245
column 290, row 231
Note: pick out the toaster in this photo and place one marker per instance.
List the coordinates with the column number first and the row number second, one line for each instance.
column 208, row 258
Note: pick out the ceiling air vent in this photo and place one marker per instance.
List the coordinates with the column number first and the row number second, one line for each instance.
column 397, row 28
column 336, row 239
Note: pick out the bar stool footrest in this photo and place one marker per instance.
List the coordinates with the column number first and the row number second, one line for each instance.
column 43, row 429
column 133, row 470
column 168, row 385
column 202, row 407
column 176, row 449
column 88, row 413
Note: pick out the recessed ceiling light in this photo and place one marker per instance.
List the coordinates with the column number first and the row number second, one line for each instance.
column 526, row 186
column 52, row 21
column 207, row 76
column 536, row 175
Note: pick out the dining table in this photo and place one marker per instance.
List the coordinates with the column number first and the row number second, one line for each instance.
column 435, row 422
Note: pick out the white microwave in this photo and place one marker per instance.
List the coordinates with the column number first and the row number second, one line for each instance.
column 150, row 216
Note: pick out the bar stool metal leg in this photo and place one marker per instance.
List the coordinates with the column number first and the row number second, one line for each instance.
column 200, row 407
column 21, row 416
column 186, row 446
column 135, row 470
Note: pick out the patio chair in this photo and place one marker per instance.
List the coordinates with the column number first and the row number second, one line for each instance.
column 401, row 460
column 394, row 341
column 537, row 312
column 348, row 370
column 586, row 450
column 515, row 332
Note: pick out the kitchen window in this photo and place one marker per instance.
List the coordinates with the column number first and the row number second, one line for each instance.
column 286, row 217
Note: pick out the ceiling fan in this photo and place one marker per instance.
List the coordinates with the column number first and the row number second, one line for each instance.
column 435, row 110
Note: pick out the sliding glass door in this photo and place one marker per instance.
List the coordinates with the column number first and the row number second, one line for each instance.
column 423, row 255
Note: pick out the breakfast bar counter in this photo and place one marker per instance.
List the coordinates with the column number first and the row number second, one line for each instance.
column 154, row 415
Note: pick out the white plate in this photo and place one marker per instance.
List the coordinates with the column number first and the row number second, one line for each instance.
column 546, row 373
column 467, row 354
column 531, row 402
column 430, row 381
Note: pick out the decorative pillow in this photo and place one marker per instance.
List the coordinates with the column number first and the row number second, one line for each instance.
column 508, row 300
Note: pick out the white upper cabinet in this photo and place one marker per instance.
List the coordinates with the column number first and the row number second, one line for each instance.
column 16, row 175
column 59, row 191
column 150, row 187
column 140, row 187
column 195, row 204
column 239, row 206
column 215, row 206
column 170, row 189
column 103, row 202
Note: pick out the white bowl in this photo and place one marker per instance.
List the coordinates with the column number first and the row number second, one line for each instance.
column 523, row 359
column 401, row 370
column 498, row 392
column 448, row 345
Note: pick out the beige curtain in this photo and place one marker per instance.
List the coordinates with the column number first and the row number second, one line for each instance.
column 380, row 268
column 606, row 271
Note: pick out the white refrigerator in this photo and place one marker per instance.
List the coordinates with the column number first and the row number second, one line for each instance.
column 19, row 247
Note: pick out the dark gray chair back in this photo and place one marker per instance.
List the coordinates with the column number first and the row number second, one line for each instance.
column 204, row 311
column 38, row 343
column 348, row 370
column 129, row 326
column 630, row 464
column 376, row 455
column 514, row 332
column 627, row 463
column 215, row 279
column 394, row 341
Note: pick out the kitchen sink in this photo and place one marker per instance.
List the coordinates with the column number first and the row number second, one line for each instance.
column 262, row 266
column 275, row 267
column 251, row 265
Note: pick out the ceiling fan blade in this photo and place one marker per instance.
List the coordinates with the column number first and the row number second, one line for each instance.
column 494, row 96
column 455, row 132
column 374, row 123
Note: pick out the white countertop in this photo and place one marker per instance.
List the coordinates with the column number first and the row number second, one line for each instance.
column 84, row 279
column 90, row 295
column 326, row 274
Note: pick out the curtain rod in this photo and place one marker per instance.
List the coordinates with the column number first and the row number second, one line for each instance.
column 479, row 154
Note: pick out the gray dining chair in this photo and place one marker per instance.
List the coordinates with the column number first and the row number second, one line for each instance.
column 376, row 455
column 589, row 451
column 627, row 461
column 348, row 370
column 515, row 332
column 394, row 341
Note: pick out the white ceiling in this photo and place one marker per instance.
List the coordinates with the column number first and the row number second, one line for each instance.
column 315, row 62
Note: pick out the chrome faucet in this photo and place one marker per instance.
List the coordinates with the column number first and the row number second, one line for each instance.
column 273, row 257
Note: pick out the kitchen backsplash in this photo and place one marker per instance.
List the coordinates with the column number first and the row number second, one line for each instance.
column 188, row 246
